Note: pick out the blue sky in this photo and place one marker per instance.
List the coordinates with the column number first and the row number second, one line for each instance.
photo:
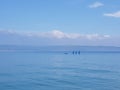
column 86, row 18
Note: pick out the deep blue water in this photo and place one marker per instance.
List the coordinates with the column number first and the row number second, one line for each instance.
column 58, row 71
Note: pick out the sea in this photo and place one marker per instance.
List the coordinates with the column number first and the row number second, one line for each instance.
column 20, row 70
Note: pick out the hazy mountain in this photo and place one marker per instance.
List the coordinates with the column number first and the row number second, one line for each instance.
column 18, row 48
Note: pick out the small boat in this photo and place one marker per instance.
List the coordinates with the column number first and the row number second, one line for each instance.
column 76, row 52
column 65, row 53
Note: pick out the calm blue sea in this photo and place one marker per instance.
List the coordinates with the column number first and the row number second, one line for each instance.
column 59, row 71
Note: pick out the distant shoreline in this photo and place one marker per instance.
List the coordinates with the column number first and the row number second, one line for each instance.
column 60, row 49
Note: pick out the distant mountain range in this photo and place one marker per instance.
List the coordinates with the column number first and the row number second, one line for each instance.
column 20, row 48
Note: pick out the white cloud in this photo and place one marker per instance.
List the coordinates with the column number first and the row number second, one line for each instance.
column 115, row 14
column 61, row 35
column 56, row 34
column 96, row 5
column 97, row 36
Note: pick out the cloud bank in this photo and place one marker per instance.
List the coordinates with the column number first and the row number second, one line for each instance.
column 115, row 14
column 55, row 37
column 57, row 34
column 96, row 5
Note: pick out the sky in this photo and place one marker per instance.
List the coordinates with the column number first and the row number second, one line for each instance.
column 60, row 22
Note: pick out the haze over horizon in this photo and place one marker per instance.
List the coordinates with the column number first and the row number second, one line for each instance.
column 64, row 22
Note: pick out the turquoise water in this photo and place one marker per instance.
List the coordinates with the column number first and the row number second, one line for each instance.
column 58, row 71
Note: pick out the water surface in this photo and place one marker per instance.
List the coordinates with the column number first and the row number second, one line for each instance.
column 59, row 71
